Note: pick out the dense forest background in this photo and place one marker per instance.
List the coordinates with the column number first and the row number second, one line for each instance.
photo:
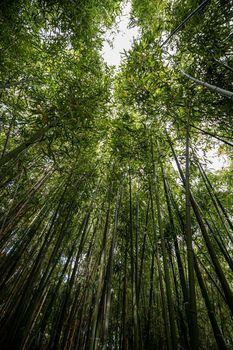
column 116, row 231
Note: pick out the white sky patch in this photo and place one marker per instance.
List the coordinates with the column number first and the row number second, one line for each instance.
column 169, row 50
column 215, row 161
column 121, row 38
column 212, row 159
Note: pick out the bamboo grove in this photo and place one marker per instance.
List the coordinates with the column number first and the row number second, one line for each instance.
column 116, row 233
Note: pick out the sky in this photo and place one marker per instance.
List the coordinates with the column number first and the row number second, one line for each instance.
column 121, row 37
column 215, row 161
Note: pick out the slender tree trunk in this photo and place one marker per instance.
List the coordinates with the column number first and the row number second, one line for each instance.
column 216, row 330
column 133, row 274
column 192, row 308
column 168, row 338
column 210, row 87
column 106, row 294
column 182, row 24
column 218, row 269
column 37, row 136
column 93, row 339
column 164, row 254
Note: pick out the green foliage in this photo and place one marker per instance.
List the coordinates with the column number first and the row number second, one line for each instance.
column 93, row 224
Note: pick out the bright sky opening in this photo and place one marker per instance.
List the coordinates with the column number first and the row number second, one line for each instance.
column 215, row 161
column 212, row 159
column 121, row 38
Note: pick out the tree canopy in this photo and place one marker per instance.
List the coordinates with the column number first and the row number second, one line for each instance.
column 116, row 231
